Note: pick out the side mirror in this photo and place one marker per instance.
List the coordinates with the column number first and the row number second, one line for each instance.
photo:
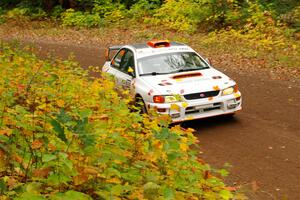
column 208, row 60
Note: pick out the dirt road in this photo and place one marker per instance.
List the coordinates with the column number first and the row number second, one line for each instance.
column 262, row 143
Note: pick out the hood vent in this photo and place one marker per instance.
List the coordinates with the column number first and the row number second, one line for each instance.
column 186, row 75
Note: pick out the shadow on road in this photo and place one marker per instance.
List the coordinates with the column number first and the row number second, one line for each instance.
column 212, row 123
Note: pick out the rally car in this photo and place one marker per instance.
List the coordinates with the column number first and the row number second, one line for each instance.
column 173, row 79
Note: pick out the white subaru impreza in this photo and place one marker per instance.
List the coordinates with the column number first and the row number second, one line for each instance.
column 173, row 79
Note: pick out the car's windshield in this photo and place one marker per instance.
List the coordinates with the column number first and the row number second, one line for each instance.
column 170, row 63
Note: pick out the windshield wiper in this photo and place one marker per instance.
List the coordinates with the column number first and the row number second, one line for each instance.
column 152, row 74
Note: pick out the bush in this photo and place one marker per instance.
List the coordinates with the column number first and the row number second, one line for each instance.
column 33, row 13
column 180, row 15
column 2, row 20
column 65, row 135
column 144, row 8
column 77, row 18
column 292, row 18
column 57, row 12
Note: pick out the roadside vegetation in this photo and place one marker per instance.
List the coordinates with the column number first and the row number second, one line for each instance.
column 266, row 32
column 66, row 135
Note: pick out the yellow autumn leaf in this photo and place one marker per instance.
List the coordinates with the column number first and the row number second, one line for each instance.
column 170, row 172
column 183, row 147
column 185, row 104
column 236, row 95
column 184, row 139
column 42, row 106
column 175, row 107
column 114, row 180
column 60, row 103
column 190, row 118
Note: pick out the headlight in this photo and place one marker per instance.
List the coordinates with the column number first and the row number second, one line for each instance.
column 165, row 99
column 230, row 90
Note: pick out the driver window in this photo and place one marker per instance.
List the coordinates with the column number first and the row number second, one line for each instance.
column 116, row 63
column 127, row 62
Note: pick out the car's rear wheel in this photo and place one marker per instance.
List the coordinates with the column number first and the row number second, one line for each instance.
column 140, row 105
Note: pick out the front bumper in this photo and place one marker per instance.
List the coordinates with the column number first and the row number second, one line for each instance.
column 200, row 108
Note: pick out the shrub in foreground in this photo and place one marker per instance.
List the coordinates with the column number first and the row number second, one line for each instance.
column 65, row 135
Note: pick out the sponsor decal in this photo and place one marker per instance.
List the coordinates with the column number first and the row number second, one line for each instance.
column 150, row 92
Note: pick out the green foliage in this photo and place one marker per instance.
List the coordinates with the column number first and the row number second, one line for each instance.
column 144, row 8
column 57, row 12
column 65, row 135
column 267, row 44
column 23, row 12
column 81, row 19
column 180, row 15
column 2, row 20
column 292, row 18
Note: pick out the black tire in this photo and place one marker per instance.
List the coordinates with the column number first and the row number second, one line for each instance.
column 140, row 104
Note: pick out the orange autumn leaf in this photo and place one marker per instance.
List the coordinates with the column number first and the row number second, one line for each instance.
column 11, row 183
column 6, row 132
column 51, row 147
column 230, row 188
column 90, row 170
column 18, row 159
column 216, row 87
column 37, row 144
column 80, row 179
column 42, row 173
column 60, row 103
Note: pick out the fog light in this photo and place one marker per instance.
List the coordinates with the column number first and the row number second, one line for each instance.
column 175, row 115
column 231, row 106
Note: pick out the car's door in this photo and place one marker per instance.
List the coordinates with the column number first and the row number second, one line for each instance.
column 123, row 65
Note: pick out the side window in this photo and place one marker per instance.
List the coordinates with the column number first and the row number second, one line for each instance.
column 127, row 61
column 116, row 62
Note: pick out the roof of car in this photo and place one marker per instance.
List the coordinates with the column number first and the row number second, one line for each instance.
column 154, row 47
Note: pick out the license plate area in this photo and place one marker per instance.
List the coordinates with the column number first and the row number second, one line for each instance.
column 202, row 108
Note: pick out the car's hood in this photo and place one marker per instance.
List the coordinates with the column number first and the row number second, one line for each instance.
column 189, row 82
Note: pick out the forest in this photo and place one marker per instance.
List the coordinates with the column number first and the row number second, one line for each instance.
column 182, row 15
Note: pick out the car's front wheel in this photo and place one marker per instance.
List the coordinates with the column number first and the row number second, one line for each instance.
column 140, row 105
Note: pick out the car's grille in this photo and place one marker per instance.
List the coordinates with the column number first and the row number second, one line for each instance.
column 201, row 95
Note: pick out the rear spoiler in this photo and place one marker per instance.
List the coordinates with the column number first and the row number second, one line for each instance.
column 111, row 49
